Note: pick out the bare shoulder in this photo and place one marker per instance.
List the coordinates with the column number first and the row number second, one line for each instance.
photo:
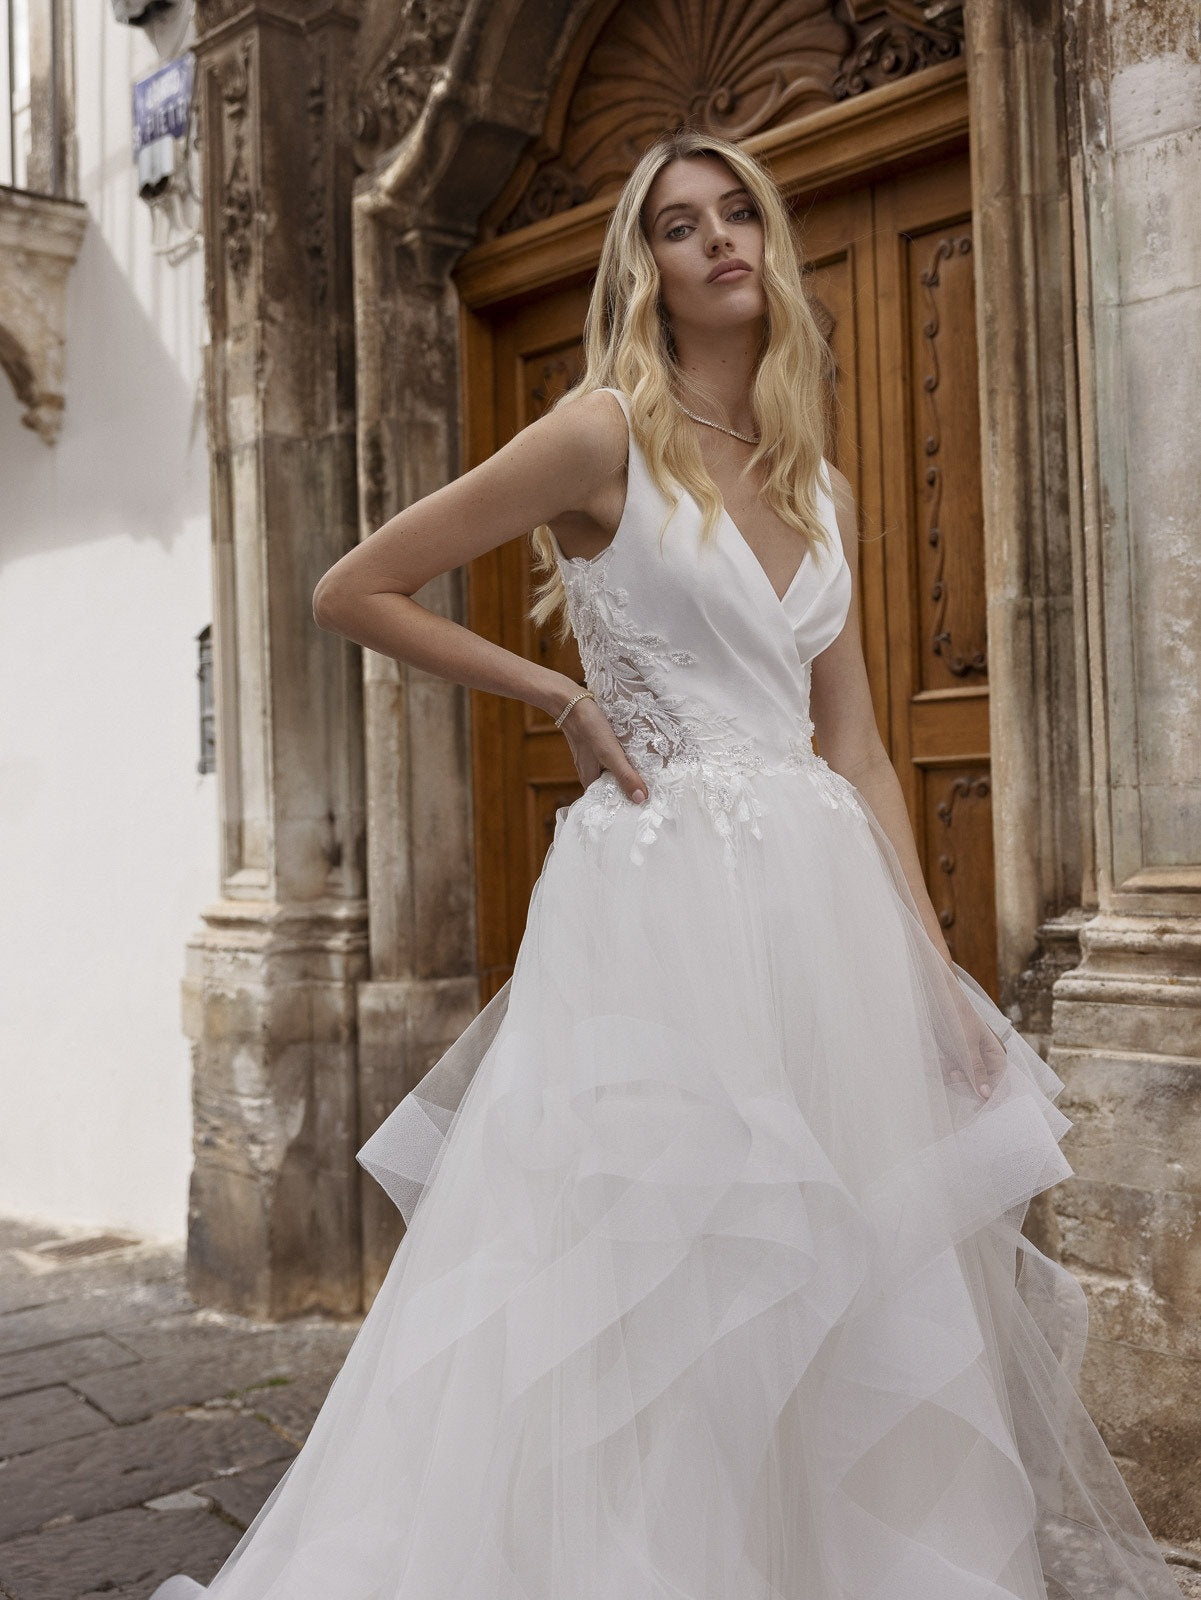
column 595, row 436
column 592, row 429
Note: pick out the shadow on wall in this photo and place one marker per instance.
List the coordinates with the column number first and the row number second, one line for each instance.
column 126, row 460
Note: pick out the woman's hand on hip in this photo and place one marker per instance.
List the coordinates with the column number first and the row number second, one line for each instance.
column 595, row 748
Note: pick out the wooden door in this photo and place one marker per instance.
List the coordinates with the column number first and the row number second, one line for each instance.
column 891, row 267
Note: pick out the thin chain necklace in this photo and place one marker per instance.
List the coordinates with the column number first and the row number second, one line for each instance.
column 720, row 426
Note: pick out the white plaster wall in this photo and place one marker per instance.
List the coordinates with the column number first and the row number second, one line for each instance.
column 109, row 832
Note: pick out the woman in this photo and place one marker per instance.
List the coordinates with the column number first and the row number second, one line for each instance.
column 713, row 1286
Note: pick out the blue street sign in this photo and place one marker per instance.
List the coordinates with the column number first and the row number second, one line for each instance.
column 161, row 101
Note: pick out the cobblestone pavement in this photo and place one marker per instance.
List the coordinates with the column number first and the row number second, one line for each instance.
column 138, row 1434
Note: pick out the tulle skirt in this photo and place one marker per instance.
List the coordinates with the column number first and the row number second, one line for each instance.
column 713, row 1285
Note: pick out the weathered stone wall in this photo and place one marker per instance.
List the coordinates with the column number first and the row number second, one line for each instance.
column 1127, row 1020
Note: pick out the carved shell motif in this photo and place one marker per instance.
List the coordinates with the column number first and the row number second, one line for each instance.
column 731, row 69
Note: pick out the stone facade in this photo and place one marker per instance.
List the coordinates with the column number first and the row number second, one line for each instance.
column 270, row 995
column 1126, row 1021
column 1085, row 148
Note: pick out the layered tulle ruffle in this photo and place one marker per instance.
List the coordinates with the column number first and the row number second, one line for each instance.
column 713, row 1286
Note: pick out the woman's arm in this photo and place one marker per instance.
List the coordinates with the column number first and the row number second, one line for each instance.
column 563, row 464
column 845, row 723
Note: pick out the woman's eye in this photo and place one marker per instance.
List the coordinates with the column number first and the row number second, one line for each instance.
column 739, row 213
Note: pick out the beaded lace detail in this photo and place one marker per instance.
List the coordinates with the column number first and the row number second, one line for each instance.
column 674, row 742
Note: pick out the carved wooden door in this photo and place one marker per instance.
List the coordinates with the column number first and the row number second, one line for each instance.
column 892, row 269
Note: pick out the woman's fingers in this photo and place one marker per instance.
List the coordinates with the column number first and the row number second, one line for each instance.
column 627, row 775
column 984, row 1060
column 990, row 1061
column 596, row 748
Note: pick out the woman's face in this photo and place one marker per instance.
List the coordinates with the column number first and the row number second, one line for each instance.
column 699, row 221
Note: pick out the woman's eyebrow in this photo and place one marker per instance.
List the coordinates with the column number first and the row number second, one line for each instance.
column 690, row 205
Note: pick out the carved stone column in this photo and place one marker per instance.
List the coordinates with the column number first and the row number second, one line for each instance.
column 270, row 990
column 1024, row 314
column 1127, row 1019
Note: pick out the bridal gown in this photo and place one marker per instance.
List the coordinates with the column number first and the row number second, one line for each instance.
column 712, row 1286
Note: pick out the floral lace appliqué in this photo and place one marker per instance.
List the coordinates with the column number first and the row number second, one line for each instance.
column 676, row 744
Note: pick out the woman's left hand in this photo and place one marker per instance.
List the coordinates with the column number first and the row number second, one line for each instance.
column 984, row 1060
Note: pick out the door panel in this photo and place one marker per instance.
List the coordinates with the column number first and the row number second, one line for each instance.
column 932, row 513
column 891, row 270
column 838, row 241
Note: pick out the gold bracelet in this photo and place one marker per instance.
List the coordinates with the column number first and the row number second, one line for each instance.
column 584, row 694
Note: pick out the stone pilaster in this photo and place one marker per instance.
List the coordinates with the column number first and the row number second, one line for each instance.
column 1024, row 316
column 270, row 988
column 1127, row 1019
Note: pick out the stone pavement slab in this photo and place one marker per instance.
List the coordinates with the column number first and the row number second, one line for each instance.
column 290, row 1408
column 84, row 1477
column 221, row 1367
column 241, row 1495
column 125, row 1553
column 35, row 1369
column 45, row 1416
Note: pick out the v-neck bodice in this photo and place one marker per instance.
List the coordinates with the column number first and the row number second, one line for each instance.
column 696, row 660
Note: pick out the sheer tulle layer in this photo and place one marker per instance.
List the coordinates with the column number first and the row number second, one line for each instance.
column 713, row 1286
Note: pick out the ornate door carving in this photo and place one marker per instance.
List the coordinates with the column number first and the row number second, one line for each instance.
column 932, row 512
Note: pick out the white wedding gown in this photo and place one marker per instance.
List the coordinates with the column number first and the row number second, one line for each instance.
column 713, row 1286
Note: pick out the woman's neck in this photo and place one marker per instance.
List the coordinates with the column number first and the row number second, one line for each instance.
column 717, row 371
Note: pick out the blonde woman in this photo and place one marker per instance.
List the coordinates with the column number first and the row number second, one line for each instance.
column 713, row 1286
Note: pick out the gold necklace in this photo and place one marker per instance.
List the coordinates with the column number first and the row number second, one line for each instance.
column 721, row 427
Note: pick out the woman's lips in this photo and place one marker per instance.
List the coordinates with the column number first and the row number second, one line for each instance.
column 731, row 275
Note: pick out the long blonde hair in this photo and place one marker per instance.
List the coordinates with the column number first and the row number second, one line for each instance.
column 628, row 346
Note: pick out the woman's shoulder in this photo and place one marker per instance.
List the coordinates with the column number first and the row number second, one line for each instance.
column 595, row 408
column 592, row 428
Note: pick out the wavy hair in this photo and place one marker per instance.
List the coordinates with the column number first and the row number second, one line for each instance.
column 628, row 345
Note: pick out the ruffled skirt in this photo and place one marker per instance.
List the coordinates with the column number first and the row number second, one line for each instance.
column 713, row 1285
